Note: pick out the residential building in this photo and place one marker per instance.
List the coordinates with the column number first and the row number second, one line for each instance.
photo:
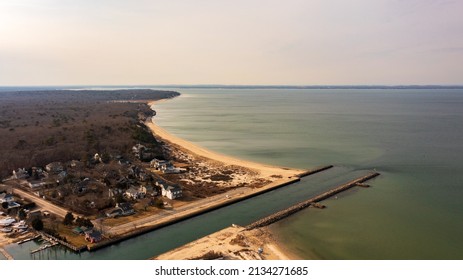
column 93, row 236
column 171, row 192
column 54, row 167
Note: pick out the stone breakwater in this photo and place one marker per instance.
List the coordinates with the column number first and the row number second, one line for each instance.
column 310, row 202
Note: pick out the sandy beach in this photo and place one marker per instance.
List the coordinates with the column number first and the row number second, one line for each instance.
column 265, row 171
column 232, row 243
column 221, row 241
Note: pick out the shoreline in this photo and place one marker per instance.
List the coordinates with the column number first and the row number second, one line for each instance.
column 279, row 251
column 263, row 169
column 232, row 243
column 273, row 178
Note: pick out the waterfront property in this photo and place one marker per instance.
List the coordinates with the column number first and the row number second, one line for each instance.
column 121, row 209
column 171, row 191
column 93, row 236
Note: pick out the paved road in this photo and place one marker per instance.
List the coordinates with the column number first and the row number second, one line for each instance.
column 42, row 203
column 167, row 215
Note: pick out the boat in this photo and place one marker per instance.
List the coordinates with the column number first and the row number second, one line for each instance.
column 7, row 222
column 6, row 229
column 20, row 225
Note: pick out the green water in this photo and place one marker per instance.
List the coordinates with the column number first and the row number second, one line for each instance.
column 413, row 137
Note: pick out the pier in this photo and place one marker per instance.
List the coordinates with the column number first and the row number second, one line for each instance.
column 43, row 248
column 28, row 239
column 55, row 241
column 310, row 202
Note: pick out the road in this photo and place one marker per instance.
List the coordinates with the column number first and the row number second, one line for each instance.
column 194, row 207
column 42, row 203
column 168, row 215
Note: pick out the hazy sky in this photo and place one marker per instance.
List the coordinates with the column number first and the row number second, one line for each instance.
column 307, row 42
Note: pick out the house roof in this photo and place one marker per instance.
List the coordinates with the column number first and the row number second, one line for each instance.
column 173, row 188
column 93, row 234
column 132, row 191
column 125, row 206
column 77, row 230
column 114, row 211
column 5, row 196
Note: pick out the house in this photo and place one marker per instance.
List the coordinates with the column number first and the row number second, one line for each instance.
column 143, row 176
column 126, row 208
column 134, row 193
column 6, row 197
column 138, row 150
column 13, row 204
column 142, row 153
column 113, row 213
column 39, row 184
column 54, row 167
column 149, row 190
column 93, row 236
column 171, row 192
column 171, row 169
column 62, row 175
column 157, row 163
column 78, row 230
column 21, row 173
column 121, row 209
column 165, row 166
column 38, row 173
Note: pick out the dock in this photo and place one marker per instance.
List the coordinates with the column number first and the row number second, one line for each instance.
column 57, row 241
column 43, row 248
column 310, row 202
column 28, row 239
column 6, row 254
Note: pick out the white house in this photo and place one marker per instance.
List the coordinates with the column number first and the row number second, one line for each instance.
column 165, row 166
column 134, row 193
column 170, row 169
column 171, row 192
column 157, row 163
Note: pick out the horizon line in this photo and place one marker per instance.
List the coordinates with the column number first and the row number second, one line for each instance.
column 255, row 86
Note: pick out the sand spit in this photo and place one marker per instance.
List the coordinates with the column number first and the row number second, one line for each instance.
column 232, row 243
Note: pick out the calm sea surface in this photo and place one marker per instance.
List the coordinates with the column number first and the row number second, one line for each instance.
column 414, row 210
column 413, row 137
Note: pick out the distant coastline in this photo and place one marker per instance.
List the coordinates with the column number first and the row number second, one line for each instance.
column 206, row 86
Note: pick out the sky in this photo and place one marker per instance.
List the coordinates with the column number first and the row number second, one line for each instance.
column 250, row 42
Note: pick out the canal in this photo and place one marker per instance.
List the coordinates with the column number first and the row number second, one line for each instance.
column 243, row 213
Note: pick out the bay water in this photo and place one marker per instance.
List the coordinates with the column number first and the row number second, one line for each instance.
column 414, row 138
